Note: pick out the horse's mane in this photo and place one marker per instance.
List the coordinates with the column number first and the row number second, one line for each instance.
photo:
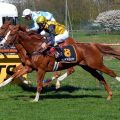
column 22, row 28
column 32, row 34
column 37, row 36
column 23, row 35
column 31, row 37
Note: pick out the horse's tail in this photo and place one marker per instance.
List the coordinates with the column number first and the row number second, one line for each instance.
column 111, row 44
column 107, row 50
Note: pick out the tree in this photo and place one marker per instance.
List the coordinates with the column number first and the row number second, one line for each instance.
column 109, row 19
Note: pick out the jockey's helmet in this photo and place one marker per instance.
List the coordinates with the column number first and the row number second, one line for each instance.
column 26, row 12
column 41, row 20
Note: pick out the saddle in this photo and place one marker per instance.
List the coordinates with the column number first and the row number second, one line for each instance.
column 62, row 53
column 65, row 53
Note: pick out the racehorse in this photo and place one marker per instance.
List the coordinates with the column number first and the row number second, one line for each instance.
column 22, row 52
column 25, row 59
column 89, row 57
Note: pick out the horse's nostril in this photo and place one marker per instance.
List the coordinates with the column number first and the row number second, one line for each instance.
column 1, row 45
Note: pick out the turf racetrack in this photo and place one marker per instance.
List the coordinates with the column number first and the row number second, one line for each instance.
column 81, row 97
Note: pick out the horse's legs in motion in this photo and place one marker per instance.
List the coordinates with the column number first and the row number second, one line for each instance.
column 56, row 75
column 100, row 78
column 96, row 62
column 17, row 74
column 62, row 77
column 18, row 68
column 24, row 70
column 59, row 77
column 40, row 77
column 106, row 70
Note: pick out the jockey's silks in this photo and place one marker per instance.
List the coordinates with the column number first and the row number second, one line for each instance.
column 59, row 28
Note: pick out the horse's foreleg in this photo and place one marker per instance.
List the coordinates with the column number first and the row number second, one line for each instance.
column 62, row 77
column 17, row 74
column 99, row 76
column 57, row 75
column 70, row 70
column 23, row 71
column 40, row 77
column 18, row 68
column 59, row 79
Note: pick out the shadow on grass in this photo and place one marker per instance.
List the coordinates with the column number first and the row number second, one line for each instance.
column 67, row 96
column 66, row 88
column 58, row 94
column 55, row 96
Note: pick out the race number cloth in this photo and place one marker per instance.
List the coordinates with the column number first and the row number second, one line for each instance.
column 69, row 53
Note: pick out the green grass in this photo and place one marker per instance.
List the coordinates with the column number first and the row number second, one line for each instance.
column 100, row 38
column 79, row 98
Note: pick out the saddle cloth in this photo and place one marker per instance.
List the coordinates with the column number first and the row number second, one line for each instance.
column 69, row 54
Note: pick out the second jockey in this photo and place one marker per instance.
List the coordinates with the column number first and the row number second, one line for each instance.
column 57, row 33
column 33, row 15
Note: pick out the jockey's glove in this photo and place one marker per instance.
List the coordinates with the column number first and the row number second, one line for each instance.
column 27, row 30
column 55, row 44
column 51, row 42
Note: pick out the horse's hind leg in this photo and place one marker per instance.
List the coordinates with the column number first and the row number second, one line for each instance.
column 97, row 75
column 109, row 72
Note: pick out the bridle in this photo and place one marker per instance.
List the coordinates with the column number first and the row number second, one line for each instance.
column 2, row 34
column 4, row 39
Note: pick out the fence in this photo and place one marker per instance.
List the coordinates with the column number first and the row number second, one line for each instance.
column 8, row 61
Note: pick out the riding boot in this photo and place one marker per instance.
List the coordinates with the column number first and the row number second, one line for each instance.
column 59, row 54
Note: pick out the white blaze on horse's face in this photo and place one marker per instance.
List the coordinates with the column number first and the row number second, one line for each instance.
column 5, row 39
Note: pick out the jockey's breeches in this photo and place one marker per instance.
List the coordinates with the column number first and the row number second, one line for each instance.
column 61, row 37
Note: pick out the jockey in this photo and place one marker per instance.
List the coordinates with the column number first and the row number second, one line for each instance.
column 33, row 15
column 57, row 33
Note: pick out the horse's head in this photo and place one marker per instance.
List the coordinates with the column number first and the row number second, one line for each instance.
column 17, row 34
column 13, row 35
column 4, row 28
column 10, row 36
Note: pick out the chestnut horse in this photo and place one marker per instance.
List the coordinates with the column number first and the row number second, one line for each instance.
column 25, row 59
column 89, row 57
column 21, row 53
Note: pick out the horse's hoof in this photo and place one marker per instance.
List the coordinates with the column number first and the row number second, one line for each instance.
column 34, row 101
column 109, row 98
column 57, row 85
